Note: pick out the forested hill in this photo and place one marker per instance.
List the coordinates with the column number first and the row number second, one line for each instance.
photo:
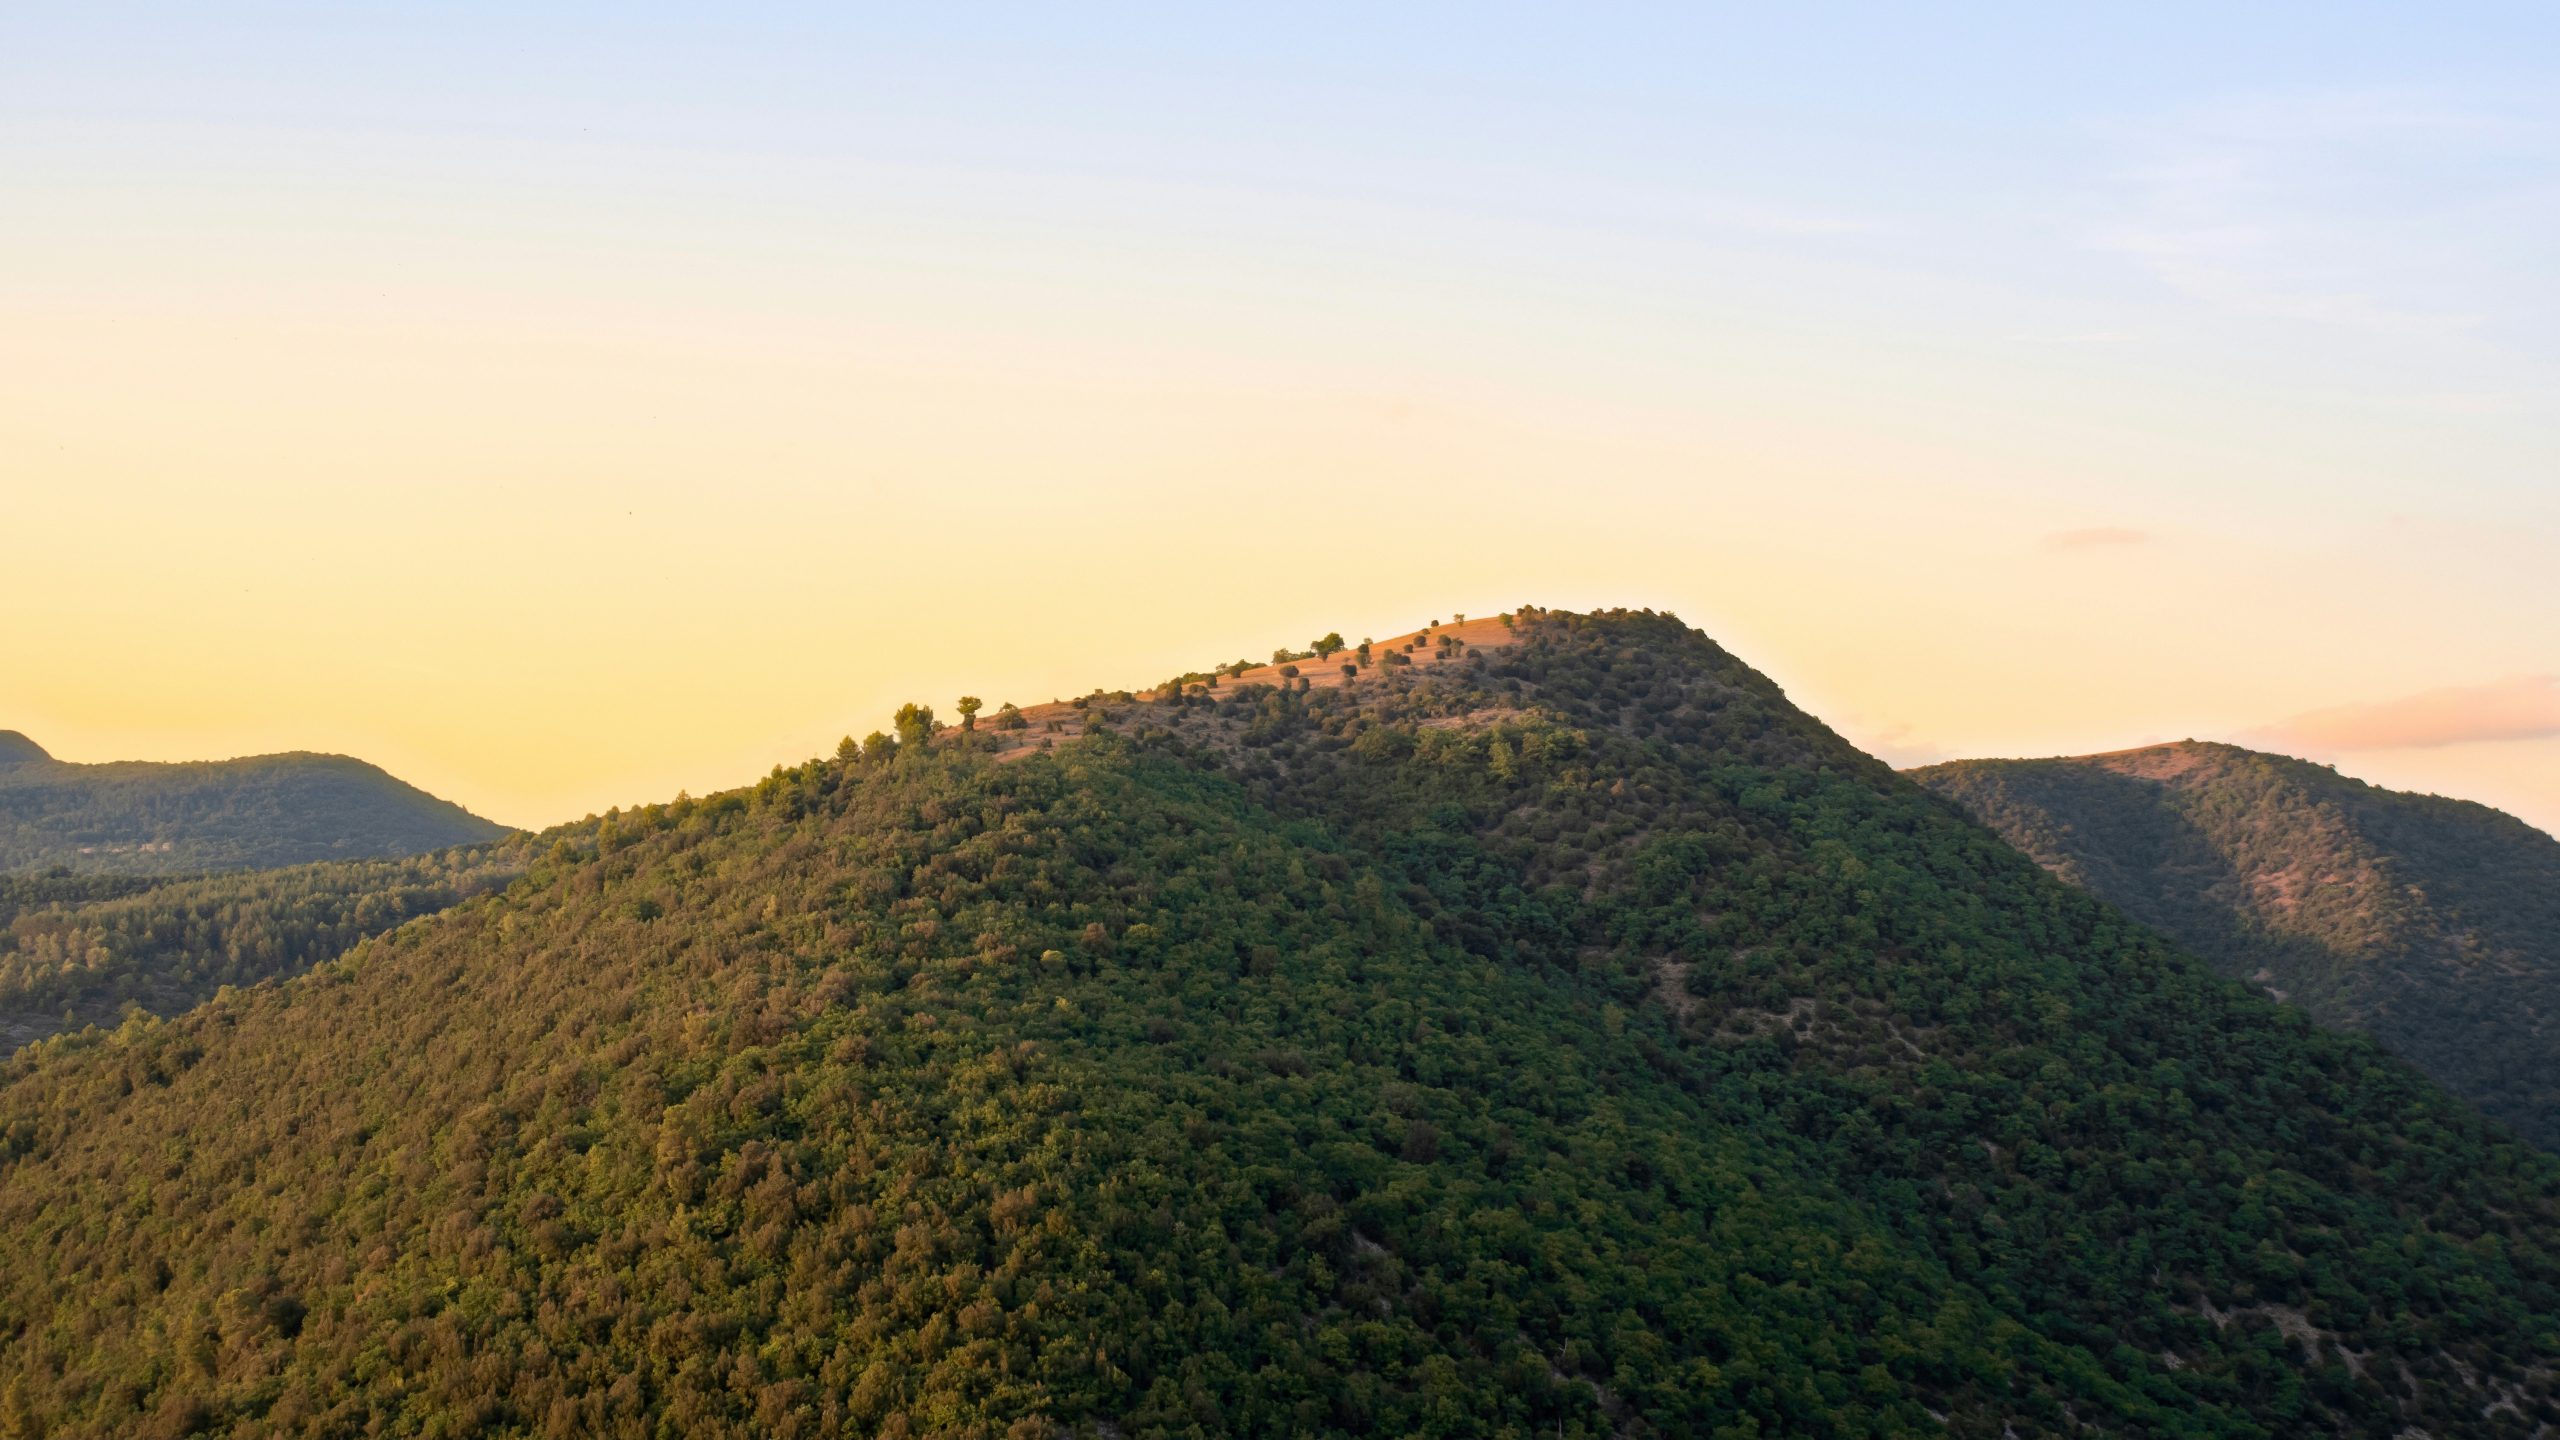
column 1555, row 1037
column 136, row 817
column 2433, row 924
column 81, row 949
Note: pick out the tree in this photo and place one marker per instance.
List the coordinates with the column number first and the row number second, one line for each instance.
column 914, row 723
column 1009, row 717
column 1288, row 672
column 848, row 749
column 1327, row 644
column 855, row 1038
column 969, row 707
column 1350, row 672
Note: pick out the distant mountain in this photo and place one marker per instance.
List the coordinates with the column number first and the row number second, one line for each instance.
column 1535, row 1027
column 2432, row 924
column 137, row 817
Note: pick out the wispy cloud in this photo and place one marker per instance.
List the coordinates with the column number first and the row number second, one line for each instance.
column 2368, row 210
column 2527, row 708
column 2070, row 338
column 1898, row 747
column 2096, row 537
column 1791, row 221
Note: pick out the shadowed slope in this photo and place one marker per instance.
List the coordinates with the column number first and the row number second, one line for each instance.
column 79, row 949
column 135, row 817
column 2433, row 924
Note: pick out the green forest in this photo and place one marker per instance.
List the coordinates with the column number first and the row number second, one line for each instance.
column 146, row 818
column 2431, row 924
column 1568, row 1038
column 82, row 949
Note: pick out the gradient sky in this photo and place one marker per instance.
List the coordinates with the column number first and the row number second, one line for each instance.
column 568, row 407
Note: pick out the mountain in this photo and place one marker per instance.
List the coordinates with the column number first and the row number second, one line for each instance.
column 136, row 817
column 1545, row 1029
column 2431, row 924
column 80, row 949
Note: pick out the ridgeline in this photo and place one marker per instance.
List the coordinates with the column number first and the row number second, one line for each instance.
column 2431, row 924
column 1562, row 1035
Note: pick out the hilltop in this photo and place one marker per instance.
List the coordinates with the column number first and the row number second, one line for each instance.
column 17, row 749
column 1564, row 1037
column 1013, row 732
column 139, row 817
column 2432, row 924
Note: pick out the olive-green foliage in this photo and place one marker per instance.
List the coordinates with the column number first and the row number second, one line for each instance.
column 2432, row 924
column 1573, row 1040
column 80, row 949
column 177, row 819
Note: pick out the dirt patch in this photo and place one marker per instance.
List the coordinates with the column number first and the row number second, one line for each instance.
column 1744, row 1024
column 2292, row 1324
column 1421, row 647
column 1054, row 722
column 1484, row 719
column 1671, row 987
column 2155, row 762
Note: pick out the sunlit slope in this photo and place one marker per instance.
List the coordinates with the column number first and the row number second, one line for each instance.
column 82, row 949
column 1570, row 1038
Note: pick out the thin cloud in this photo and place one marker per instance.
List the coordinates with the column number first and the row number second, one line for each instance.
column 1899, row 747
column 2368, row 211
column 2096, row 536
column 2522, row 709
column 1790, row 221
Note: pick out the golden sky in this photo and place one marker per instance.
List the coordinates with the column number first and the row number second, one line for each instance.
column 558, row 435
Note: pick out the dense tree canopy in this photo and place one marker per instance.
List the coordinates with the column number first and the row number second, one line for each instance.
column 177, row 819
column 1572, row 1039
column 2432, row 924
column 82, row 949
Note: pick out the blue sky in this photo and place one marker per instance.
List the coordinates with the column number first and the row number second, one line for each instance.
column 1829, row 327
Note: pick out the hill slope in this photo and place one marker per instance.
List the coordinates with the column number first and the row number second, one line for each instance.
column 2432, row 924
column 136, row 817
column 1568, row 1038
column 78, row 949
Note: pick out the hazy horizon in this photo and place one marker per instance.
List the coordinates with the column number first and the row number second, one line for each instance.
column 560, row 412
column 2296, row 738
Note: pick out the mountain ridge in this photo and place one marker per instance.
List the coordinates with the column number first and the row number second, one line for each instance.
column 2431, row 922
column 1566, row 1038
column 176, row 817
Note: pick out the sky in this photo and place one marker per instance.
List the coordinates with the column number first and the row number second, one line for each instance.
column 562, row 406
